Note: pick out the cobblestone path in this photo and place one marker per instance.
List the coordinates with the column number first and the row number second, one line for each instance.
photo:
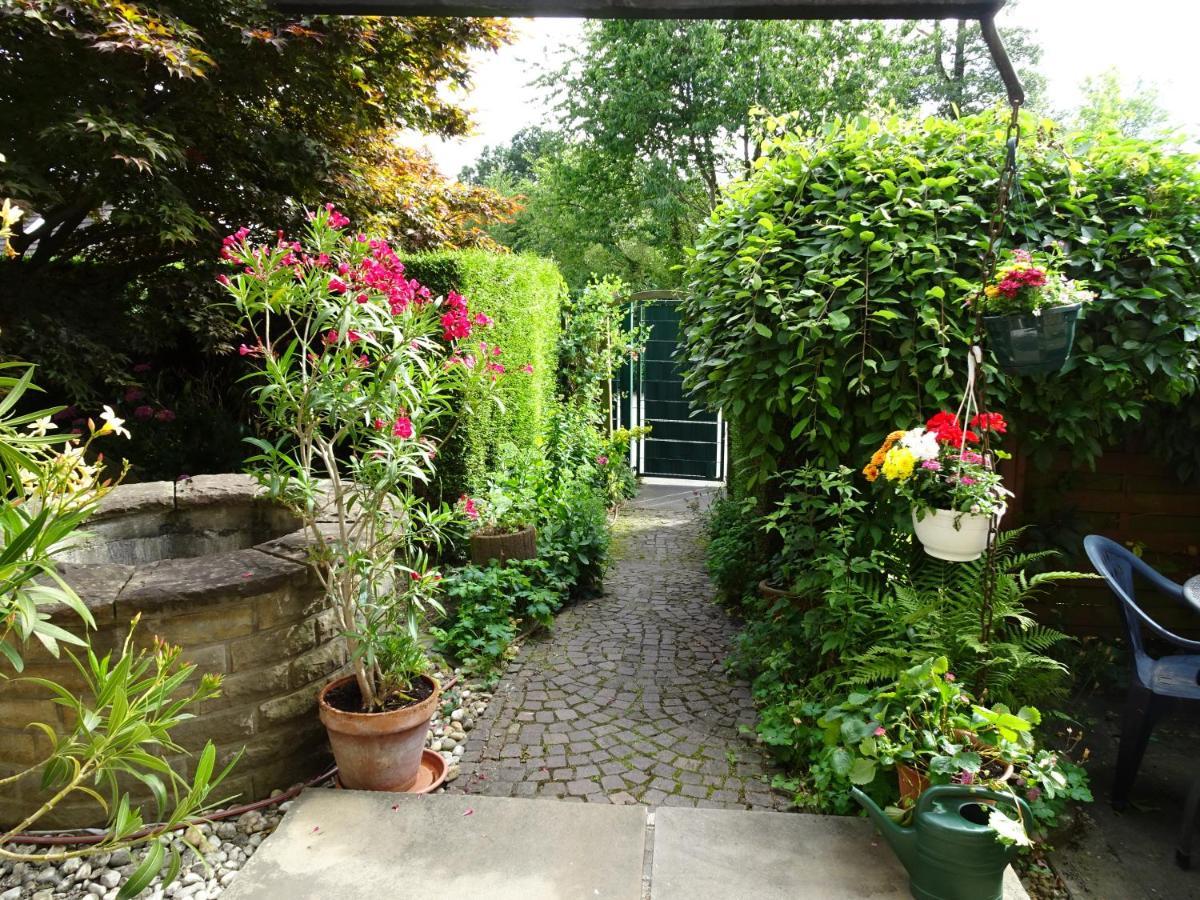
column 626, row 700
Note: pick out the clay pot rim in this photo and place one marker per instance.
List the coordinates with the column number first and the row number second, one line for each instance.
column 326, row 706
column 491, row 533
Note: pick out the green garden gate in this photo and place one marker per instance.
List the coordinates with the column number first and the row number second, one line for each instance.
column 683, row 442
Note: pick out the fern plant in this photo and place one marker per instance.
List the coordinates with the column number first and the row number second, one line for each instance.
column 995, row 646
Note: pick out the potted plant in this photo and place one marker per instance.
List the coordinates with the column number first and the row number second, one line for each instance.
column 357, row 372
column 1030, row 310
column 955, row 493
column 502, row 525
column 929, row 730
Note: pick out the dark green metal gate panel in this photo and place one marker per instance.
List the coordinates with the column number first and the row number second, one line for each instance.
column 684, row 443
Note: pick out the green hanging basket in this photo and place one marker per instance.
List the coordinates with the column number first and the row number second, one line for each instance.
column 1028, row 344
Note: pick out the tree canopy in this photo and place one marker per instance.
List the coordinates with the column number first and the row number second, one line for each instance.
column 141, row 132
column 654, row 118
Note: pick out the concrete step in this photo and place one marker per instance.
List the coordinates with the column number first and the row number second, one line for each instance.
column 355, row 845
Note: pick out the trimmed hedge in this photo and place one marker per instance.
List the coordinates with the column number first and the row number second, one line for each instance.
column 523, row 293
column 826, row 292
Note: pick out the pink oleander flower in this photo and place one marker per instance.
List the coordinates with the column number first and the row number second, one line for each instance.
column 361, row 298
column 336, row 219
column 245, row 350
column 223, row 279
column 143, row 412
column 332, row 337
column 470, row 510
column 403, row 427
column 483, row 320
column 353, row 335
column 337, row 286
column 363, row 361
column 379, row 424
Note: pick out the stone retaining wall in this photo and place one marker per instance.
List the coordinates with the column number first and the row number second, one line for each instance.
column 234, row 591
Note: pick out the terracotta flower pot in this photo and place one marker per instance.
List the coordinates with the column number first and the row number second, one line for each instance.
column 510, row 545
column 912, row 783
column 953, row 536
column 773, row 594
column 377, row 751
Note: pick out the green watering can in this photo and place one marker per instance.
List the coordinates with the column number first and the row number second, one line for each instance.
column 949, row 850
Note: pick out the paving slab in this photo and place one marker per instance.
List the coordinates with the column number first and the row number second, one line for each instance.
column 712, row 854
column 360, row 845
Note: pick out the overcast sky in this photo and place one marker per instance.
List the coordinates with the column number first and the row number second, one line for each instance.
column 1151, row 40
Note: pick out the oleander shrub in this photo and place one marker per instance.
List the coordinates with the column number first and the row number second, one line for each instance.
column 523, row 294
column 825, row 293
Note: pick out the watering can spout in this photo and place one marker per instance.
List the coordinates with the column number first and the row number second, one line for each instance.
column 903, row 841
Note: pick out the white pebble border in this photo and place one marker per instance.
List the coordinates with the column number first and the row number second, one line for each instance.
column 225, row 845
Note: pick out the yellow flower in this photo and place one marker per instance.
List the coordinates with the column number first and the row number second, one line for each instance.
column 898, row 464
column 992, row 290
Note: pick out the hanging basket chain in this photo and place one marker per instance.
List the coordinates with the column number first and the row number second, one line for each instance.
column 1004, row 187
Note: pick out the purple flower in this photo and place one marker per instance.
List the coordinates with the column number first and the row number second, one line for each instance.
column 932, row 465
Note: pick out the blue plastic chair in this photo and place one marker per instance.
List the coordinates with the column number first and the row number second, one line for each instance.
column 1155, row 683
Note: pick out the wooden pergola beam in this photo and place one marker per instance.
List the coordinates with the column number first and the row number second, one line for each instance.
column 658, row 9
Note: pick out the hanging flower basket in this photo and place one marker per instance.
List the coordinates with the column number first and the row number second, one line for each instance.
column 952, row 536
column 954, row 490
column 1029, row 311
column 1033, row 343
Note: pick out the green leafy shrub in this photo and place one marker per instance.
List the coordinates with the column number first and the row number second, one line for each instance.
column 826, row 293
column 489, row 604
column 731, row 555
column 523, row 294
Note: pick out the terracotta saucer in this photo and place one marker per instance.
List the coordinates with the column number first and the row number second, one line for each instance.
column 430, row 776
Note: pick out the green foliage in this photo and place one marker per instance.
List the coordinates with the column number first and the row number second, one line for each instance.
column 567, row 491
column 594, row 341
column 732, row 555
column 928, row 722
column 653, row 116
column 523, row 294
column 118, row 725
column 1109, row 106
column 874, row 607
column 147, row 129
column 488, row 605
column 825, row 297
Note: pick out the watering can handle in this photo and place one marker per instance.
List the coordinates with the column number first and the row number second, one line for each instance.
column 947, row 791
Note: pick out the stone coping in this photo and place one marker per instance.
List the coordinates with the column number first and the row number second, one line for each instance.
column 115, row 592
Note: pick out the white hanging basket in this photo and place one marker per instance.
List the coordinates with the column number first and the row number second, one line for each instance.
column 952, row 536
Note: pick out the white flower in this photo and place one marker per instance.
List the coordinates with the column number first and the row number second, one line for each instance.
column 112, row 424
column 921, row 443
column 41, row 426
